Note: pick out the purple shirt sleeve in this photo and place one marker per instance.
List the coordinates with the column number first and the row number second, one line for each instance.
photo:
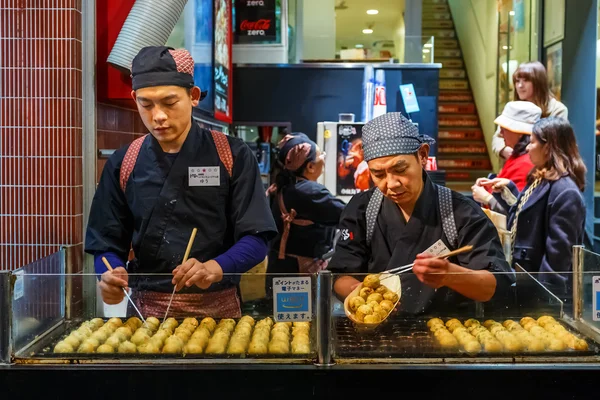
column 245, row 254
column 113, row 259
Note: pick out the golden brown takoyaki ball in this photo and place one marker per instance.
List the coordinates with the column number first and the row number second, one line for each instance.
column 266, row 321
column 435, row 328
column 355, row 302
column 193, row 347
column 526, row 320
column 448, row 341
column 453, row 322
column 371, row 281
column 72, row 341
column 85, row 331
column 171, row 322
column 228, row 322
column 512, row 344
column 489, row 322
column 304, row 324
column 301, row 348
column 391, row 296
column 157, row 341
column 581, row 344
column 237, row 346
column 115, row 321
column 113, row 341
column 365, row 292
column 174, row 341
column 153, row 321
column 221, row 334
column 216, row 347
column 137, row 321
column 127, row 347
column 372, row 319
column 86, row 347
column 471, row 322
column 243, row 326
column 140, row 337
column 78, row 335
column 472, row 346
column 492, row 346
column 531, row 325
column 172, row 348
column 300, row 330
column 94, row 342
column 209, row 323
column 183, row 335
column 105, row 348
column 258, row 347
column 200, row 333
column 89, row 325
column 388, row 306
column 508, row 323
column 376, row 297
column 545, row 319
column 63, row 347
column 190, row 321
column 99, row 336
column 380, row 311
column 281, row 325
column 161, row 334
column 301, row 339
column 279, row 347
column 148, row 348
column 279, row 335
column 433, row 321
column 363, row 311
column 557, row 345
column 535, row 345
column 98, row 322
column 382, row 289
column 248, row 319
column 125, row 331
column 107, row 329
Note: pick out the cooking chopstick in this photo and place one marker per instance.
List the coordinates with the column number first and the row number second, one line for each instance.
column 105, row 261
column 185, row 257
column 408, row 267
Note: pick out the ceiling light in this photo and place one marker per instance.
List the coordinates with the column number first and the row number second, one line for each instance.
column 359, row 46
column 372, row 12
column 367, row 31
column 511, row 13
column 426, row 50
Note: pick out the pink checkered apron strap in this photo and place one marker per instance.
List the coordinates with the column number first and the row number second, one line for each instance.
column 224, row 150
column 129, row 161
column 220, row 304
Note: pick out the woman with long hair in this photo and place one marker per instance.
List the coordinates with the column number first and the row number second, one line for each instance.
column 530, row 83
column 548, row 217
column 306, row 213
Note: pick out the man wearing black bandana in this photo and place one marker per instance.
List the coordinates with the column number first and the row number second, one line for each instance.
column 404, row 216
column 154, row 192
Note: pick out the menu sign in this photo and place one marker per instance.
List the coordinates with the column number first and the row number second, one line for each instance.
column 223, row 64
column 255, row 21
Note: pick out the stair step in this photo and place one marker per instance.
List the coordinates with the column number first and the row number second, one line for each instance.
column 475, row 162
column 453, row 84
column 446, row 52
column 456, row 108
column 437, row 24
column 449, row 134
column 438, row 16
column 467, row 149
column 434, row 8
column 458, row 120
column 427, row 2
column 443, row 43
column 440, row 33
column 450, row 62
column 455, row 95
column 453, row 73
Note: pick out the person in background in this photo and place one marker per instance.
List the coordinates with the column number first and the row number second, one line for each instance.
column 155, row 191
column 547, row 218
column 531, row 84
column 305, row 212
column 515, row 123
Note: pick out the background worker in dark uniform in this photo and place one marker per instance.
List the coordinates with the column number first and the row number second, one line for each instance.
column 406, row 214
column 154, row 192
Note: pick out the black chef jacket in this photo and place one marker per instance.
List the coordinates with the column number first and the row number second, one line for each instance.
column 396, row 243
column 160, row 209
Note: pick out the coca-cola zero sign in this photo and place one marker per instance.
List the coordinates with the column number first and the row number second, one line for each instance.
column 255, row 21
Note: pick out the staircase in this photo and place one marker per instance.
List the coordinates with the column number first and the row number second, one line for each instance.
column 462, row 151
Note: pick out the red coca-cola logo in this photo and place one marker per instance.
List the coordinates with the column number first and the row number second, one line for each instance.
column 260, row 25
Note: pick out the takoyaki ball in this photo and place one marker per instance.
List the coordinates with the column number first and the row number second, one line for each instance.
column 86, row 347
column 237, row 347
column 557, row 345
column 471, row 322
column 526, row 320
column 279, row 325
column 108, row 329
column 536, row 345
column 391, row 296
column 105, row 348
column 148, row 348
column 92, row 341
column 183, row 335
column 243, row 326
column 89, row 325
column 508, row 323
column 301, row 349
column 174, row 341
column 304, row 324
column 98, row 322
column 228, row 322
column 529, row 326
column 124, row 331
column 371, row 281
column 472, row 346
column 569, row 340
column 153, row 321
column 266, row 321
column 448, row 341
column 79, row 336
column 512, row 344
column 436, row 328
column 365, row 292
column 300, row 330
column 545, row 319
column 161, row 334
column 63, row 347
column 115, row 321
column 378, row 310
column 363, row 311
column 113, row 341
column 283, row 336
column 301, row 339
column 492, row 346
column 434, row 321
column 372, row 319
column 200, row 333
column 258, row 347
column 99, row 336
column 279, row 347
column 85, row 331
column 376, row 297
column 127, row 347
column 193, row 347
column 262, row 335
column 381, row 289
column 72, row 341
column 216, row 347
column 140, row 337
column 209, row 324
column 489, row 322
column 172, row 348
column 247, row 319
column 356, row 302
column 157, row 342
column 171, row 322
column 452, row 322
column 580, row 344
column 190, row 321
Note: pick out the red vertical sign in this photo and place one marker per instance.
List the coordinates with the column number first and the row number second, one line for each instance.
column 223, row 63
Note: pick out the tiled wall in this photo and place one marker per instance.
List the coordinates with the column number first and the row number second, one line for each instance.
column 40, row 129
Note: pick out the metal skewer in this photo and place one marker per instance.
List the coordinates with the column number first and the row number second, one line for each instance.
column 105, row 261
column 185, row 257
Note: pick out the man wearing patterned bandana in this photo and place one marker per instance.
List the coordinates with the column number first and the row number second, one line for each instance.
column 153, row 192
column 405, row 216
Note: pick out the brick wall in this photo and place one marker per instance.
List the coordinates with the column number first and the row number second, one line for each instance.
column 40, row 129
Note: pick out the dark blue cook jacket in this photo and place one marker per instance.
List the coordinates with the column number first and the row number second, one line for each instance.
column 160, row 209
column 314, row 202
column 396, row 243
column 550, row 223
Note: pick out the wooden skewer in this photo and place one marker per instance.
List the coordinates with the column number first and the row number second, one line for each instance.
column 408, row 267
column 110, row 268
column 185, row 257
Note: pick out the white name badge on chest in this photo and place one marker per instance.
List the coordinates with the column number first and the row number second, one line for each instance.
column 204, row 176
column 437, row 249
